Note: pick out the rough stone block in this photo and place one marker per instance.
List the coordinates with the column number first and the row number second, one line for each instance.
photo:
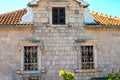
column 44, row 20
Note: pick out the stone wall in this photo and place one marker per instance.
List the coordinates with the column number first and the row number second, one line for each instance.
column 59, row 51
column 43, row 13
column 10, row 59
column 107, row 48
column 59, row 44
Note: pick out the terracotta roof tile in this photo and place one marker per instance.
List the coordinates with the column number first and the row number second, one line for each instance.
column 15, row 17
column 12, row 17
column 103, row 19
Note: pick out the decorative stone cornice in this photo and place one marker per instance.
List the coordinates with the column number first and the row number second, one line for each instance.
column 83, row 3
column 28, row 17
column 32, row 41
column 34, row 3
column 83, row 39
column 102, row 27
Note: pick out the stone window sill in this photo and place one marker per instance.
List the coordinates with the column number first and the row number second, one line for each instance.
column 86, row 70
column 59, row 25
column 30, row 72
column 53, row 25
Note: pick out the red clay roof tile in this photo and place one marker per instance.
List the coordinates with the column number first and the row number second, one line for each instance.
column 15, row 17
column 12, row 17
column 103, row 19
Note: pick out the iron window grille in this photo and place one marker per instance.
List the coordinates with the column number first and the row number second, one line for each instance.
column 87, row 57
column 30, row 58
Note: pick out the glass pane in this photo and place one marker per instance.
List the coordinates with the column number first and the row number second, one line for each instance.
column 55, row 16
column 62, row 16
column 62, row 11
column 55, row 21
column 55, row 11
column 34, row 54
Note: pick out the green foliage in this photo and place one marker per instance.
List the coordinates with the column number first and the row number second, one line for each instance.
column 114, row 76
column 66, row 75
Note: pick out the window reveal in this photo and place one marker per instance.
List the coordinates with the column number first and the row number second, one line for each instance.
column 30, row 58
column 58, row 15
column 87, row 57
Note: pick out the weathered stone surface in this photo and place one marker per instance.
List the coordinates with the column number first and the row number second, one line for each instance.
column 59, row 52
column 59, row 44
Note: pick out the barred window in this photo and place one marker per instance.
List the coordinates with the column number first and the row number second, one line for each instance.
column 30, row 58
column 87, row 57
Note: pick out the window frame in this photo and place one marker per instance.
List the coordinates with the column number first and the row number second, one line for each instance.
column 91, row 42
column 21, row 51
column 88, row 43
column 30, row 54
column 86, row 52
column 58, row 23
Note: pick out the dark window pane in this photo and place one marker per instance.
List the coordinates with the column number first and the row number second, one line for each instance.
column 62, row 21
column 62, row 11
column 55, row 10
column 58, row 15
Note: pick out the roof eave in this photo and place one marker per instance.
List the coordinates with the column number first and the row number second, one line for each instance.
column 102, row 26
column 14, row 25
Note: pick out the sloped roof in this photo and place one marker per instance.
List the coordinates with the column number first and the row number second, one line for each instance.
column 14, row 17
column 104, row 19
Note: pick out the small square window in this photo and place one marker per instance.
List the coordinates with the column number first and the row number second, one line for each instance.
column 58, row 15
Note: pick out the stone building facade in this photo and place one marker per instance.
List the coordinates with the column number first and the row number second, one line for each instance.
column 40, row 45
